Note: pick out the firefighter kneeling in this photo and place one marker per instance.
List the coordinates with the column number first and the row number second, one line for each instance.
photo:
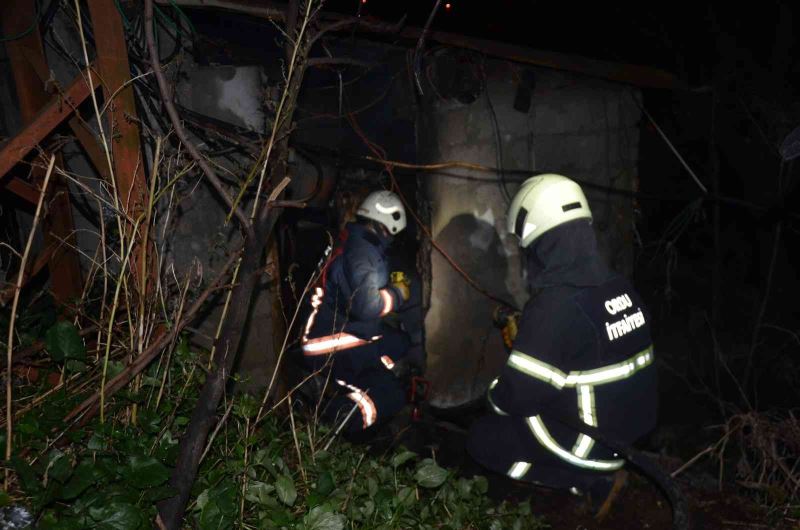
column 582, row 350
column 345, row 335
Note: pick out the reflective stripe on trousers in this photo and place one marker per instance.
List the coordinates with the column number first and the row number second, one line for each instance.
column 584, row 383
column 369, row 413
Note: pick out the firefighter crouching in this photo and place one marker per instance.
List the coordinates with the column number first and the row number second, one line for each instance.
column 582, row 350
column 345, row 336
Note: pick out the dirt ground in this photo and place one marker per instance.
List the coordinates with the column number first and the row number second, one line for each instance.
column 640, row 505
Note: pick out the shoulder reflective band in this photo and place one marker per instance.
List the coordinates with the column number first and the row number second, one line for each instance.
column 519, row 469
column 543, row 436
column 316, row 301
column 495, row 408
column 606, row 374
column 386, row 298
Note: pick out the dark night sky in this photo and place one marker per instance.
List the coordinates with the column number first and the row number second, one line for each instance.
column 679, row 38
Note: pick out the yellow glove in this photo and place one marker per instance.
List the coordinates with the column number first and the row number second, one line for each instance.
column 508, row 321
column 400, row 282
column 510, row 331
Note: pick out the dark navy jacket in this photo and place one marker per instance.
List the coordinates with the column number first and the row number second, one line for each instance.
column 584, row 319
column 356, row 291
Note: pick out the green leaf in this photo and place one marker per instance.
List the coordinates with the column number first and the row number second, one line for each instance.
column 75, row 366
column 114, row 369
column 146, row 472
column 405, row 496
column 64, row 342
column 117, row 516
column 246, row 407
column 481, row 484
column 149, row 421
column 325, row 484
column 59, row 466
column 321, row 519
column 286, row 490
column 30, row 482
column 429, row 475
column 401, row 458
column 217, row 507
column 5, row 500
column 84, row 476
column 97, row 442
column 259, row 492
column 159, row 493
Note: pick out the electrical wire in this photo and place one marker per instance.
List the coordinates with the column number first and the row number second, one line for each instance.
column 524, row 174
column 421, row 44
column 29, row 30
column 670, row 145
column 498, row 139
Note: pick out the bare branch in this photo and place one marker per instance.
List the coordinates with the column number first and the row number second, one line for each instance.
column 335, row 61
column 163, row 88
column 142, row 361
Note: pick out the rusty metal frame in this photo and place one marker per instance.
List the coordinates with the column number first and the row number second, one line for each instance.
column 58, row 109
column 115, row 77
column 41, row 114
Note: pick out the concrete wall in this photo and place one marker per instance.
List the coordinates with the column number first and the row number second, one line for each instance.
column 582, row 128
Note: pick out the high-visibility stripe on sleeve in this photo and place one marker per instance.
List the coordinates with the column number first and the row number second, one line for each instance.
column 537, row 369
column 387, row 362
column 543, row 436
column 519, row 469
column 332, row 343
column 388, row 302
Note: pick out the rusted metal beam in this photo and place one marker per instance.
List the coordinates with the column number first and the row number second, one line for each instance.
column 643, row 76
column 79, row 127
column 41, row 114
column 22, row 189
column 42, row 124
column 115, row 75
column 33, row 269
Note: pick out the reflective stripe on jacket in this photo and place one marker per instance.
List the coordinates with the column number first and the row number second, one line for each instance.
column 585, row 352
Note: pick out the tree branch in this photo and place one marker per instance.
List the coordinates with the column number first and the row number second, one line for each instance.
column 163, row 88
column 140, row 363
column 333, row 61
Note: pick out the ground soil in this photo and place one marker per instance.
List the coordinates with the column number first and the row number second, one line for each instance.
column 640, row 505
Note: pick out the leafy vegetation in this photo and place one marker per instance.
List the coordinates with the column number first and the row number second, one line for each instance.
column 257, row 473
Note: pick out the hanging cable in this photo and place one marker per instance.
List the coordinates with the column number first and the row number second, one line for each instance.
column 498, row 139
column 421, row 44
column 27, row 31
column 671, row 146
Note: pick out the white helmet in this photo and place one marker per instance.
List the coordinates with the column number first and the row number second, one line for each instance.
column 544, row 202
column 386, row 208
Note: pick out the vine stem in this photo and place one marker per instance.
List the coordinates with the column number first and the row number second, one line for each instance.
column 14, row 306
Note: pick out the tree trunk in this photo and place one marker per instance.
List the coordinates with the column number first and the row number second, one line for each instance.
column 204, row 417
